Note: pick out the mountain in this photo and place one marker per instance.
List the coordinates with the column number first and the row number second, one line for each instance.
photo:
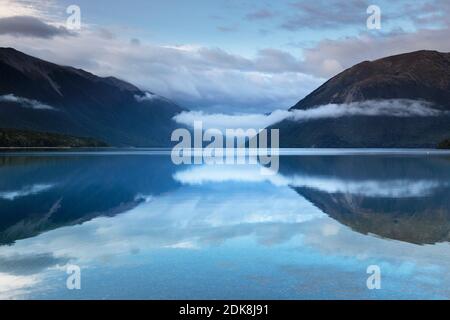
column 422, row 76
column 32, row 139
column 42, row 96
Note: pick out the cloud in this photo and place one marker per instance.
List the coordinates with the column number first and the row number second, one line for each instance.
column 148, row 96
column 28, row 26
column 213, row 79
column 429, row 13
column 393, row 108
column 135, row 42
column 12, row 286
column 335, row 14
column 195, row 77
column 326, row 14
column 25, row 103
column 10, row 8
column 427, row 27
column 226, row 121
column 106, row 33
column 260, row 15
column 328, row 57
column 232, row 28
column 19, row 265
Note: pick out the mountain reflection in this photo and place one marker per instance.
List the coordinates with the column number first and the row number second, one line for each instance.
column 40, row 193
column 401, row 198
column 213, row 229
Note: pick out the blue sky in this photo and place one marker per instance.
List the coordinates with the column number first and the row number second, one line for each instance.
column 240, row 26
column 209, row 23
column 223, row 56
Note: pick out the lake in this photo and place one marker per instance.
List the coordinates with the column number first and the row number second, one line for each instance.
column 138, row 227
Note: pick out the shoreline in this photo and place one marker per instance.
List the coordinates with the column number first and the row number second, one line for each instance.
column 168, row 151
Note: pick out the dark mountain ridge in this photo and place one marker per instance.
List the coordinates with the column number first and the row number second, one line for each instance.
column 420, row 76
column 80, row 103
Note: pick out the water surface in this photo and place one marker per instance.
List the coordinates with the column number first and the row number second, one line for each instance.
column 140, row 227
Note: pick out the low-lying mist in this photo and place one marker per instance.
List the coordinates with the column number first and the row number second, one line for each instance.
column 373, row 108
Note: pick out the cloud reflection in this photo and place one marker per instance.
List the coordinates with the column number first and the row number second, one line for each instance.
column 284, row 216
column 394, row 188
column 25, row 191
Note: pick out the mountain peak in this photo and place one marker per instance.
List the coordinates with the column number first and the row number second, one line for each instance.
column 406, row 80
column 419, row 75
column 79, row 103
column 37, row 68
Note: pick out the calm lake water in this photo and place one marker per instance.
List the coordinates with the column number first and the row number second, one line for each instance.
column 140, row 227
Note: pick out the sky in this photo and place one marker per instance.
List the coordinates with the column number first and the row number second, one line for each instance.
column 226, row 56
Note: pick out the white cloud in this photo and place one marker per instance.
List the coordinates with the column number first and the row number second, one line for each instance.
column 194, row 76
column 12, row 286
column 336, row 14
column 226, row 121
column 394, row 108
column 25, row 103
column 148, row 96
column 329, row 57
column 10, row 8
column 208, row 78
column 390, row 107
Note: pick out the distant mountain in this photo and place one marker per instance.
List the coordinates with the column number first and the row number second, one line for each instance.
column 42, row 96
column 32, row 139
column 421, row 75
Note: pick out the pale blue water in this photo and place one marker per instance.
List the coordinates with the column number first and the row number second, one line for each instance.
column 140, row 227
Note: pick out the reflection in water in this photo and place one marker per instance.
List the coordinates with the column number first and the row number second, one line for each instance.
column 42, row 193
column 399, row 198
column 140, row 227
column 25, row 191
